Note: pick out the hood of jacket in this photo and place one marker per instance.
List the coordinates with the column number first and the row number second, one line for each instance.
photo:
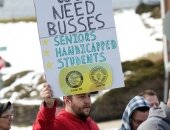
column 133, row 104
column 161, row 112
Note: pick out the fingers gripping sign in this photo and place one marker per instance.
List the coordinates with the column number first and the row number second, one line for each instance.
column 47, row 94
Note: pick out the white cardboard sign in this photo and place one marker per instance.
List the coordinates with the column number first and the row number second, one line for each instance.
column 79, row 45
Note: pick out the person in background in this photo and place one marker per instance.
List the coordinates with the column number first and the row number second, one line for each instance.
column 74, row 115
column 159, row 118
column 6, row 115
column 151, row 97
column 135, row 113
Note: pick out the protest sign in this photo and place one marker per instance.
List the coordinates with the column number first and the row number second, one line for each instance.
column 79, row 45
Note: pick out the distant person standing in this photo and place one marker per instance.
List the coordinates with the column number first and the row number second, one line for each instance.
column 135, row 113
column 6, row 115
column 151, row 97
column 159, row 118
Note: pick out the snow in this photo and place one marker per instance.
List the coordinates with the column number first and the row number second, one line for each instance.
column 23, row 49
column 21, row 128
column 133, row 38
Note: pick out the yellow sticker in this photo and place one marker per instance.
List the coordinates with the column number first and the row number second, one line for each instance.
column 85, row 78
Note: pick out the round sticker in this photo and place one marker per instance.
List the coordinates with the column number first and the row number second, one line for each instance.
column 74, row 79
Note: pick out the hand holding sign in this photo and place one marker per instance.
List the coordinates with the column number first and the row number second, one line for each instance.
column 47, row 94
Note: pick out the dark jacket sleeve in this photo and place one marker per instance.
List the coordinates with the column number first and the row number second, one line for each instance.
column 45, row 118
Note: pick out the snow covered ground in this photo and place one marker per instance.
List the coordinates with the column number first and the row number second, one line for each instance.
column 21, row 128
